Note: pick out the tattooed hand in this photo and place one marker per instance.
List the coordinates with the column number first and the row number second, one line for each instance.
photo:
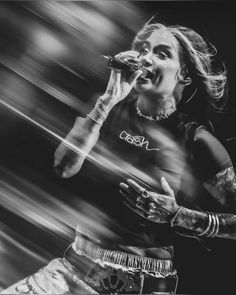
column 151, row 205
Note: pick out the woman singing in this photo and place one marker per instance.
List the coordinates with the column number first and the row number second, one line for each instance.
column 149, row 123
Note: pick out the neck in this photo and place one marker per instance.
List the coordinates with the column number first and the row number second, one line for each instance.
column 162, row 107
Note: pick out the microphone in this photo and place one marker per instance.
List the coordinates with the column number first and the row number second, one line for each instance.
column 127, row 68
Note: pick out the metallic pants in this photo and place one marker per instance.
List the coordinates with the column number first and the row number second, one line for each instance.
column 58, row 277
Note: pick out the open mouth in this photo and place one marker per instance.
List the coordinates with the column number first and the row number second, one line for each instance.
column 147, row 75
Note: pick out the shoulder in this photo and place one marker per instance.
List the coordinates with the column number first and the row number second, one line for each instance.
column 208, row 143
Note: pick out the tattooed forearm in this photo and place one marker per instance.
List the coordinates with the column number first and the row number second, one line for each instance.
column 227, row 228
column 193, row 220
column 223, row 187
column 225, row 180
column 198, row 222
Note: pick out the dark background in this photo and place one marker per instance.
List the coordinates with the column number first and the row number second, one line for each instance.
column 51, row 71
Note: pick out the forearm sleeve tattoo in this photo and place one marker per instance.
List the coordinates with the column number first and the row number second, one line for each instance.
column 223, row 188
column 198, row 221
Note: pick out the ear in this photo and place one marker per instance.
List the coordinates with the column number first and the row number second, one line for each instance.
column 184, row 77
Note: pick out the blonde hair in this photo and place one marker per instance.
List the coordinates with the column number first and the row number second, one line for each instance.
column 197, row 55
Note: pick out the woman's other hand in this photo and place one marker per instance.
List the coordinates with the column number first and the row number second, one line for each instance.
column 153, row 206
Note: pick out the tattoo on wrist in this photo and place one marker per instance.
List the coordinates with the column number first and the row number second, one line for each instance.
column 193, row 220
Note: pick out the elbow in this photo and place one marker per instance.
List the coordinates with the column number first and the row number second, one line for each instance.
column 67, row 163
column 66, row 168
column 61, row 171
column 64, row 172
column 61, row 166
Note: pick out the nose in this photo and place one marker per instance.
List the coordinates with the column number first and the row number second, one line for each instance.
column 146, row 60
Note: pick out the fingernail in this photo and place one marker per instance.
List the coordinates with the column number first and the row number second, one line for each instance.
column 124, row 186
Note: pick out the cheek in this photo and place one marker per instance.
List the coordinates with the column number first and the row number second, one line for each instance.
column 173, row 69
column 170, row 75
column 168, row 68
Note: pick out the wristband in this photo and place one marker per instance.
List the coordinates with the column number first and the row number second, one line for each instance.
column 213, row 226
column 205, row 232
column 94, row 120
column 101, row 109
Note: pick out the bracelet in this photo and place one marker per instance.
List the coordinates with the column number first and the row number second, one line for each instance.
column 213, row 226
column 208, row 225
column 216, row 226
column 172, row 220
column 101, row 109
column 94, row 120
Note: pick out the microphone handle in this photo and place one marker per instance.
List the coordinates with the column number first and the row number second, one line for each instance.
column 127, row 68
column 119, row 65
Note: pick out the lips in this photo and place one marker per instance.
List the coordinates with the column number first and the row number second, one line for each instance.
column 146, row 76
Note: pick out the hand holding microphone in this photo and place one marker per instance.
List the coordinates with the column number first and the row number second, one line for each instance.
column 125, row 70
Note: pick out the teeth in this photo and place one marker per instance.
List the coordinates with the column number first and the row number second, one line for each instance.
column 147, row 75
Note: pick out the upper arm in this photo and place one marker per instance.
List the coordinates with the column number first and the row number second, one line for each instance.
column 222, row 187
column 210, row 156
column 218, row 175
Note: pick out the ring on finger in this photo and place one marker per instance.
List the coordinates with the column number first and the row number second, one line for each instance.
column 152, row 206
column 145, row 194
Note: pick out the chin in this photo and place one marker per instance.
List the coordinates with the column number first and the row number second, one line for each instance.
column 141, row 87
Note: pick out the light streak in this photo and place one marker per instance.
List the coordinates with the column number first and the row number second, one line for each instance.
column 98, row 159
column 69, row 100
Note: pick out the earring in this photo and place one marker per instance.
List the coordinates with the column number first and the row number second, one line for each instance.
column 193, row 94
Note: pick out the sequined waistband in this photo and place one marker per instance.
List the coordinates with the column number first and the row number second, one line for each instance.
column 83, row 246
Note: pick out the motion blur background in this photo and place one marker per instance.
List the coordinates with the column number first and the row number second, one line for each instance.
column 52, row 70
